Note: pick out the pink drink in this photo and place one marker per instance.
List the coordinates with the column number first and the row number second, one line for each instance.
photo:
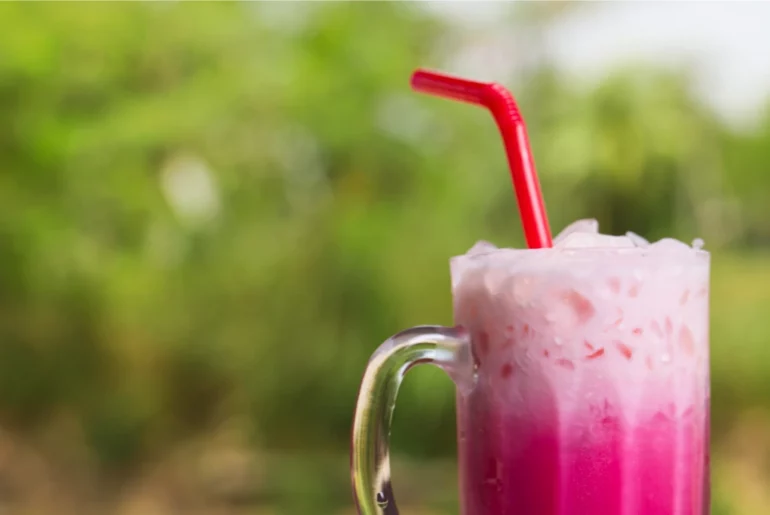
column 592, row 385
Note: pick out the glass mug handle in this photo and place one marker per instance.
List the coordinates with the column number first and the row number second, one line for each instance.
column 445, row 347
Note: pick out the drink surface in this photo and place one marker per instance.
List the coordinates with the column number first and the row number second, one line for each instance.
column 592, row 386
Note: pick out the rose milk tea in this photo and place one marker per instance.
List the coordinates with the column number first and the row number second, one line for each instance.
column 591, row 394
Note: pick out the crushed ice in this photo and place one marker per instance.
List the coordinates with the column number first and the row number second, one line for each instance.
column 583, row 240
column 481, row 247
column 637, row 240
column 584, row 234
column 670, row 244
column 585, row 226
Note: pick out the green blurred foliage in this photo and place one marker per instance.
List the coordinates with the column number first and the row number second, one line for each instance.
column 211, row 214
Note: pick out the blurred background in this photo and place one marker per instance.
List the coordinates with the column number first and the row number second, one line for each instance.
column 211, row 214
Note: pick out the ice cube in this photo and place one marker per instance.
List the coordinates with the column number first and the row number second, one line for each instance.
column 586, row 225
column 461, row 269
column 584, row 240
column 637, row 240
column 459, row 264
column 496, row 280
column 481, row 247
column 457, row 267
column 669, row 244
column 523, row 290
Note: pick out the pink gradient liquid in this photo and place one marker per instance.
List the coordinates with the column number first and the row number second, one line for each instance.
column 592, row 393
column 508, row 467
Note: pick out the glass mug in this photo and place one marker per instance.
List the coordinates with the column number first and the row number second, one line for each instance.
column 582, row 384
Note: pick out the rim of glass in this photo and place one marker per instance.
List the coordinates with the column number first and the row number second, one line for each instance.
column 588, row 251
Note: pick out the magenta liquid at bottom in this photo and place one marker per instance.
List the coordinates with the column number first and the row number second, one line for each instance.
column 655, row 467
column 592, row 390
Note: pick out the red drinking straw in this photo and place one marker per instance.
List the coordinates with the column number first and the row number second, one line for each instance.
column 508, row 117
